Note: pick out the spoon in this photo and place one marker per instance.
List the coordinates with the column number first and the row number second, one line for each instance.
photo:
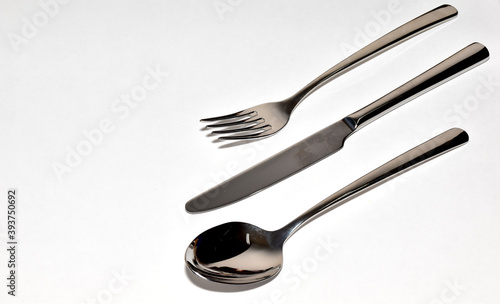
column 241, row 253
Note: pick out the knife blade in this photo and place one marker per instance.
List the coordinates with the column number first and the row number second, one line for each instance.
column 331, row 139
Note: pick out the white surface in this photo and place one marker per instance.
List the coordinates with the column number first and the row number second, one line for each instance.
column 122, row 208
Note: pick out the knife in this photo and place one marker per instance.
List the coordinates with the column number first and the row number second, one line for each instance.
column 331, row 139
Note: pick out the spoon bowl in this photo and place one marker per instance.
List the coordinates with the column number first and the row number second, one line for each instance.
column 235, row 253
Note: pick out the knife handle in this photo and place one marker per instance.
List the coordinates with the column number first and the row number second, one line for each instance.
column 464, row 60
column 426, row 151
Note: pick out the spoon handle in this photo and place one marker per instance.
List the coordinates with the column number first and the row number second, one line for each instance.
column 430, row 149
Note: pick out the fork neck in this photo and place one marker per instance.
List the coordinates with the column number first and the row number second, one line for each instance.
column 296, row 99
column 334, row 72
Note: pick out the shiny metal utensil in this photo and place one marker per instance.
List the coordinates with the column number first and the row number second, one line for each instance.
column 269, row 118
column 241, row 253
column 331, row 139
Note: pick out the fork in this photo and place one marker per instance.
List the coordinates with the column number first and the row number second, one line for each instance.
column 268, row 118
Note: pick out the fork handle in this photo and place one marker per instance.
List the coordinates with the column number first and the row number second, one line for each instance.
column 406, row 31
column 460, row 62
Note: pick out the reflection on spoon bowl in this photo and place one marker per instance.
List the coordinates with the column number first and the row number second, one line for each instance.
column 235, row 253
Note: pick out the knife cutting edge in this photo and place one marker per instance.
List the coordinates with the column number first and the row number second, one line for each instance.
column 331, row 139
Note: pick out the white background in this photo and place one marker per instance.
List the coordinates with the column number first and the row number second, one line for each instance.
column 112, row 228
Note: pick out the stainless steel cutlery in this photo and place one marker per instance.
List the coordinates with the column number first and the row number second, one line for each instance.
column 241, row 253
column 331, row 139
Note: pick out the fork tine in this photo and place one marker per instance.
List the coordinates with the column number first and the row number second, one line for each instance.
column 230, row 116
column 240, row 137
column 257, row 133
column 237, row 123
column 244, row 129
